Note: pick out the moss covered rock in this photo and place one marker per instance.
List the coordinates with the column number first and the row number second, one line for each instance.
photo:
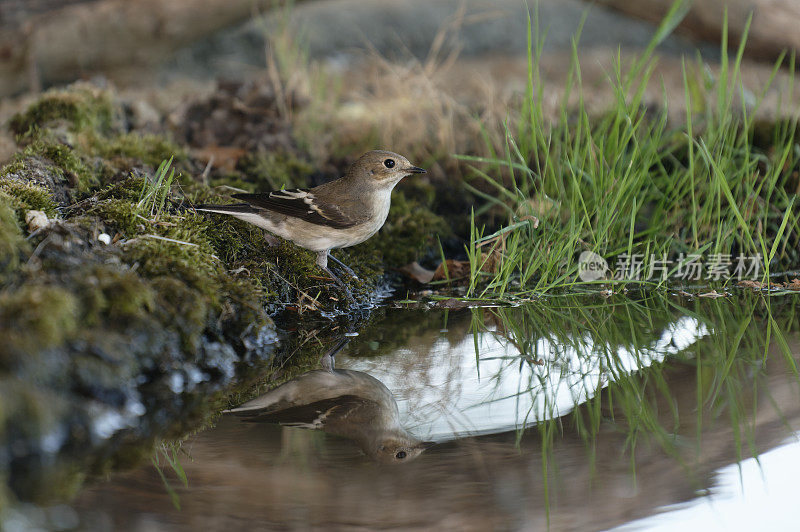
column 108, row 343
column 24, row 196
column 35, row 317
column 129, row 317
column 83, row 107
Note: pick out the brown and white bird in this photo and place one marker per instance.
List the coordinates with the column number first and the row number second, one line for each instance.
column 344, row 402
column 336, row 214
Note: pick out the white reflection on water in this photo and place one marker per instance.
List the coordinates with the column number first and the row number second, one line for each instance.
column 751, row 495
column 443, row 392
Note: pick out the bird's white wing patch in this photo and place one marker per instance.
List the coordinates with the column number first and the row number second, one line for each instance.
column 307, row 197
column 304, row 195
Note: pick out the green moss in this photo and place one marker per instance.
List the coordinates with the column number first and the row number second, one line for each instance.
column 188, row 227
column 78, row 108
column 108, row 293
column 189, row 257
column 76, row 129
column 13, row 167
column 295, row 261
column 146, row 149
column 367, row 260
column 181, row 307
column 11, row 239
column 289, row 270
column 191, row 284
column 129, row 189
column 35, row 317
column 272, row 170
column 188, row 278
column 233, row 239
column 25, row 196
column 246, row 296
column 66, row 159
column 121, row 215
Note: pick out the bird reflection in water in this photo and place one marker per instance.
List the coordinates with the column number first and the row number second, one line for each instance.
column 343, row 402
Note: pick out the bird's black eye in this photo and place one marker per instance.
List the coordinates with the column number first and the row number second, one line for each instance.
column 401, row 454
column 388, row 163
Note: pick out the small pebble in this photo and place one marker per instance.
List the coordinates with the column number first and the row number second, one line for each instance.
column 36, row 220
column 104, row 238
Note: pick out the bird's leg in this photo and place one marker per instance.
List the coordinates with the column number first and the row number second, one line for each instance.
column 322, row 262
column 343, row 286
column 327, row 360
column 343, row 265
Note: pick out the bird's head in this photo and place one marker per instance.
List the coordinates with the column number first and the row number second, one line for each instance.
column 397, row 449
column 383, row 167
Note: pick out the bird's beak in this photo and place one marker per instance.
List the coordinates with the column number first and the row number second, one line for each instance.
column 415, row 170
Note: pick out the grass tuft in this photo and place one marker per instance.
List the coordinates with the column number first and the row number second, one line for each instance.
column 630, row 183
column 154, row 193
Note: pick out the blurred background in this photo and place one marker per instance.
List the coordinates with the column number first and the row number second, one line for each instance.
column 414, row 70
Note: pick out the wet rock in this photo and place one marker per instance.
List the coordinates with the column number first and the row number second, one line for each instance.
column 92, row 332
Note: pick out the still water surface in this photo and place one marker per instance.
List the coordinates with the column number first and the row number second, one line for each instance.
column 640, row 413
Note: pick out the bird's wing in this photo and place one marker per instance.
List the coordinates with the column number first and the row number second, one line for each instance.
column 319, row 414
column 301, row 203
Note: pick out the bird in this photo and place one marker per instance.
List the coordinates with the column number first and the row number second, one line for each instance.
column 337, row 214
column 347, row 403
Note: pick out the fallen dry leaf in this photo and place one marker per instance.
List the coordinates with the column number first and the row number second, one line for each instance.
column 752, row 284
column 456, row 269
column 417, row 272
column 713, row 294
column 222, row 157
column 794, row 284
